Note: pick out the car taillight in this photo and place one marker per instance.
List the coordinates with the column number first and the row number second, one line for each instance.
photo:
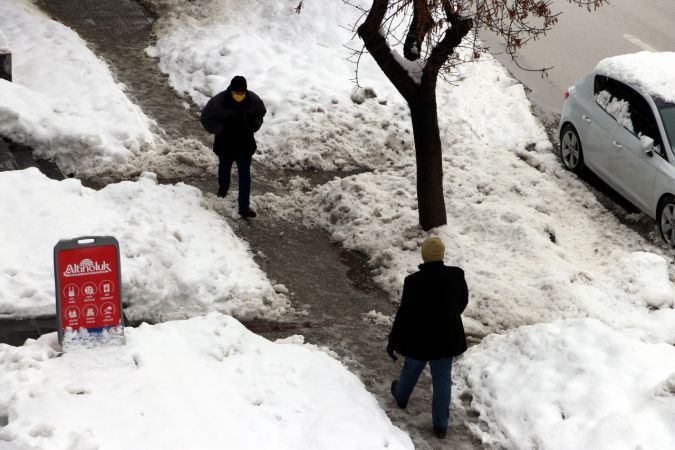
column 566, row 94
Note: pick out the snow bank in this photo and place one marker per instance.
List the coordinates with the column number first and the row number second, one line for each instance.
column 178, row 258
column 204, row 383
column 64, row 101
column 296, row 63
column 569, row 384
column 649, row 72
column 535, row 244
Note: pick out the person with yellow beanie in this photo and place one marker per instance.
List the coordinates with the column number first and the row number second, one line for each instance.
column 428, row 328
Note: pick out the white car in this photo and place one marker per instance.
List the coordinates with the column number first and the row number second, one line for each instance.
column 619, row 122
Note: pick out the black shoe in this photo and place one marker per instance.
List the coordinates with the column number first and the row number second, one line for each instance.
column 247, row 214
column 221, row 192
column 440, row 433
column 393, row 389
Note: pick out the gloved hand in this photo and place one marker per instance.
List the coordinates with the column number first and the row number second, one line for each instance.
column 390, row 351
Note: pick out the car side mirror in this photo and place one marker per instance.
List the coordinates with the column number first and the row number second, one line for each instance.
column 647, row 145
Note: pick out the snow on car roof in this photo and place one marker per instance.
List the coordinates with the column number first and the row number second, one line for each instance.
column 653, row 73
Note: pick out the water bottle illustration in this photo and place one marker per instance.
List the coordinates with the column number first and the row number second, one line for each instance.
column 106, row 289
column 71, row 292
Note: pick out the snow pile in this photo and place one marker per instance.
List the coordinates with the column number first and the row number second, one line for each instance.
column 649, row 72
column 569, row 384
column 64, row 101
column 204, row 383
column 178, row 258
column 296, row 64
column 535, row 244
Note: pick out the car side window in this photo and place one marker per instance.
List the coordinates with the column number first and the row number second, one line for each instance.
column 628, row 108
column 644, row 122
column 611, row 96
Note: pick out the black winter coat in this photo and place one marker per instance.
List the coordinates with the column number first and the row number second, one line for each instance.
column 233, row 123
column 428, row 324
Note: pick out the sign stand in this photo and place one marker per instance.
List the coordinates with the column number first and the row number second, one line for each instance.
column 88, row 287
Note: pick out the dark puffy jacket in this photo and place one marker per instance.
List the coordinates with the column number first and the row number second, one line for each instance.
column 233, row 123
column 428, row 324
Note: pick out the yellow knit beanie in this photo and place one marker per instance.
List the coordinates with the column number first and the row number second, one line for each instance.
column 433, row 250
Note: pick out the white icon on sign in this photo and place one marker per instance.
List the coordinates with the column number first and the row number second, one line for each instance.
column 72, row 313
column 90, row 312
column 108, row 310
column 70, row 291
column 106, row 287
column 89, row 289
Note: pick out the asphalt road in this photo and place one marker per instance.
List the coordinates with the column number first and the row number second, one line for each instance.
column 581, row 38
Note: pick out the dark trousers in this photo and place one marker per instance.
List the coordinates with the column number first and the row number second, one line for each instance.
column 244, row 171
column 442, row 383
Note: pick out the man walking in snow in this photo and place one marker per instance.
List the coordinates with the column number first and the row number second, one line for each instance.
column 428, row 328
column 233, row 116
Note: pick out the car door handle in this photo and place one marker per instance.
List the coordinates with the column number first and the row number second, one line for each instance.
column 616, row 144
column 586, row 118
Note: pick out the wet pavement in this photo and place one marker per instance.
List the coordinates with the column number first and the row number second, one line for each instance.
column 331, row 285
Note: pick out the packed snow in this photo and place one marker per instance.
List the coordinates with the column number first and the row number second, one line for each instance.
column 205, row 383
column 63, row 100
column 649, row 72
column 178, row 258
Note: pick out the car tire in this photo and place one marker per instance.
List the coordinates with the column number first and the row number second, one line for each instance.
column 666, row 220
column 570, row 149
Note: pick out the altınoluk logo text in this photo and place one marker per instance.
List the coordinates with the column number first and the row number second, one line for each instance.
column 86, row 267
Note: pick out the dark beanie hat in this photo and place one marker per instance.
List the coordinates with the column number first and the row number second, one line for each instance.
column 238, row 83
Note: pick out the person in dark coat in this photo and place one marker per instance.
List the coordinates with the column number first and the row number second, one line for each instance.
column 233, row 116
column 428, row 328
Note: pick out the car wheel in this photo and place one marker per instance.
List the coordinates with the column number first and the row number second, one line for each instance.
column 570, row 149
column 667, row 220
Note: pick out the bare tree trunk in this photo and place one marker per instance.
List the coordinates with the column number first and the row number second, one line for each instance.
column 429, row 157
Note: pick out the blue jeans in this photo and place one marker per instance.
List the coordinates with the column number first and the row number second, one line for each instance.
column 441, row 370
column 244, row 171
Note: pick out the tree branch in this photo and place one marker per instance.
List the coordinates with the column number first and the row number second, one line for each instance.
column 459, row 27
column 377, row 46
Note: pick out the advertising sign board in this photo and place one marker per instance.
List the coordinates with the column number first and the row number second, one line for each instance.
column 88, row 285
